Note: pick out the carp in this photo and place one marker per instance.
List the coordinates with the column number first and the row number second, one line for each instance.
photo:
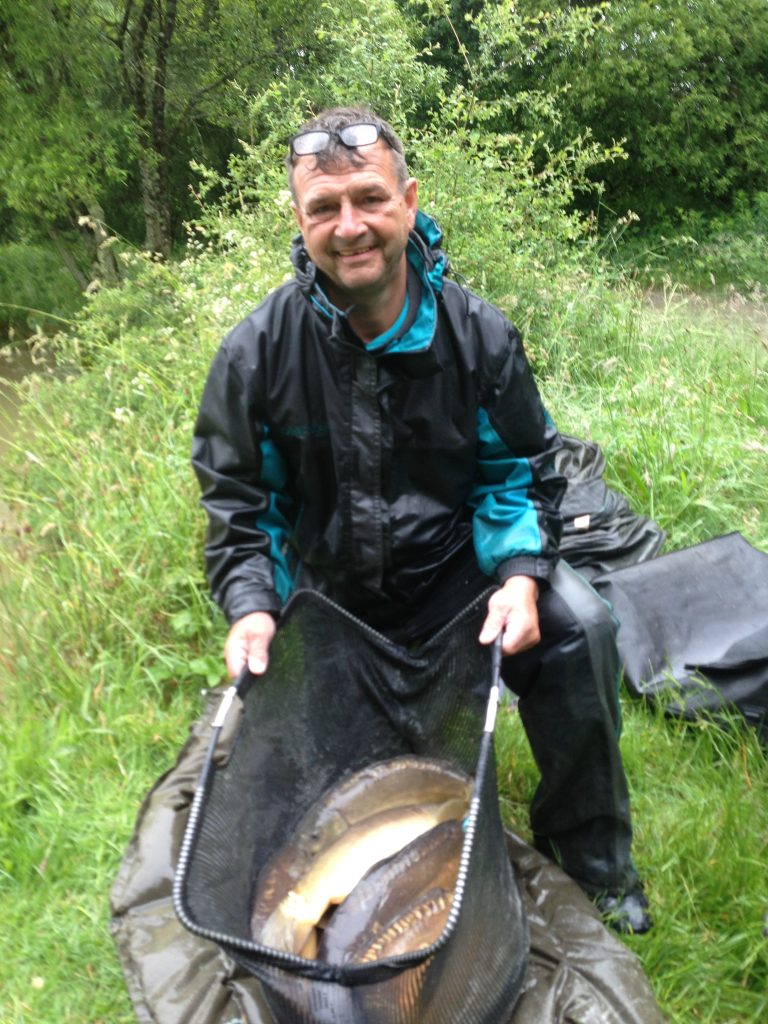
column 355, row 825
column 401, row 905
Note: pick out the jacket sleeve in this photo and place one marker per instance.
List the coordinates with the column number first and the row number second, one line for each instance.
column 242, row 479
column 517, row 493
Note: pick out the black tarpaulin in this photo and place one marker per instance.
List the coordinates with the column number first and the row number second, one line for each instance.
column 600, row 531
column 694, row 629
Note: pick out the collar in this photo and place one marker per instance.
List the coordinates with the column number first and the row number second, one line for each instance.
column 412, row 332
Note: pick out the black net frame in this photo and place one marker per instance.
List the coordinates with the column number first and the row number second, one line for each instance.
column 317, row 715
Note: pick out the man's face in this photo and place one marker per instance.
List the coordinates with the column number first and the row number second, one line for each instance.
column 355, row 222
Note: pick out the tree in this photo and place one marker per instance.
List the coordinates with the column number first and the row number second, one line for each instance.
column 176, row 62
column 91, row 91
column 58, row 150
column 684, row 83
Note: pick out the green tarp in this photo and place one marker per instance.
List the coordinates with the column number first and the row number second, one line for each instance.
column 578, row 971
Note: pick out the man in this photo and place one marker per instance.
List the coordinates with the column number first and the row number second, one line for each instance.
column 373, row 431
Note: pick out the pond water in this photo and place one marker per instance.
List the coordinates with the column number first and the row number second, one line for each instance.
column 15, row 363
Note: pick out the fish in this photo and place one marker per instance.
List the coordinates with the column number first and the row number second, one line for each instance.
column 397, row 782
column 401, row 905
column 365, row 819
column 337, row 869
column 415, row 929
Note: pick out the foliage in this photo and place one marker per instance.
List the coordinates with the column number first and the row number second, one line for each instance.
column 699, row 841
column 678, row 399
column 36, row 292
column 107, row 630
column 58, row 146
column 124, row 95
column 362, row 57
column 106, row 105
column 682, row 85
column 177, row 63
column 724, row 253
column 504, row 199
column 504, row 202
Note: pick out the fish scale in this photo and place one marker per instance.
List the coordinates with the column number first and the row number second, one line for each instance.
column 394, row 896
column 301, row 881
column 416, row 929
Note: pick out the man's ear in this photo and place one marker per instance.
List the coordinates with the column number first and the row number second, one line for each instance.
column 411, row 194
column 297, row 215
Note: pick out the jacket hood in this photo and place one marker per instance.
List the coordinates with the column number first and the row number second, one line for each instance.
column 424, row 255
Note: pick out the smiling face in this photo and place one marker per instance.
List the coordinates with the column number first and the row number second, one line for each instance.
column 355, row 221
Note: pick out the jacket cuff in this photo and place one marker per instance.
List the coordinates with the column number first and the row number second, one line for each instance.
column 540, row 569
column 238, row 604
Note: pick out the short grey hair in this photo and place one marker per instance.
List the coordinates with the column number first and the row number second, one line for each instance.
column 337, row 154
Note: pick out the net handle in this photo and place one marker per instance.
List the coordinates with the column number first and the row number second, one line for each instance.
column 193, row 821
column 492, row 706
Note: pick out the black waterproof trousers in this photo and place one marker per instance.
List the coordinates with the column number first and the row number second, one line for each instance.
column 569, row 705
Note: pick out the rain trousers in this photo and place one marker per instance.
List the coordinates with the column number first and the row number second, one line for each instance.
column 398, row 478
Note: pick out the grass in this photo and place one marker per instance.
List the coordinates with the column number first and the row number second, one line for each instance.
column 107, row 634
column 36, row 291
column 724, row 251
column 701, row 837
column 679, row 406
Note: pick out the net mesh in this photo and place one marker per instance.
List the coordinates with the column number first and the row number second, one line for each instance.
column 336, row 698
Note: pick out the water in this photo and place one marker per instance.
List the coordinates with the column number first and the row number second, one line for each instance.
column 15, row 363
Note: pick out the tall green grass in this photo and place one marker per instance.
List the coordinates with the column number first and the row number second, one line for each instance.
column 107, row 633
column 679, row 403
column 36, row 291
column 725, row 252
column 701, row 832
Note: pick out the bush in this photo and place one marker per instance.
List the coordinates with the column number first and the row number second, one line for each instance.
column 36, row 290
column 724, row 252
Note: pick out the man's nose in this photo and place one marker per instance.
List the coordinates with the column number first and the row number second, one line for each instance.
column 349, row 224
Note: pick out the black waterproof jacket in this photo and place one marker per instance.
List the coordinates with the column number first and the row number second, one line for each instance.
column 365, row 471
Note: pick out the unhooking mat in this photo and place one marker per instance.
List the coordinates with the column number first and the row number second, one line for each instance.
column 576, row 972
column 694, row 629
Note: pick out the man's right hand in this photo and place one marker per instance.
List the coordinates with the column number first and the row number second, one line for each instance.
column 248, row 642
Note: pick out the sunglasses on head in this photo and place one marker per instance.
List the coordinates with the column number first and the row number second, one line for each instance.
column 317, row 139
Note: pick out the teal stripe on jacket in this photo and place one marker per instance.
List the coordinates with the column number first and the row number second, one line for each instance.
column 273, row 520
column 506, row 521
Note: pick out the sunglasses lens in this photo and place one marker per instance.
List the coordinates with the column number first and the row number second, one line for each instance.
column 359, row 135
column 310, row 142
column 352, row 136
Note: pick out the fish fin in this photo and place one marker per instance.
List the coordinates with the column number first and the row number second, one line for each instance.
column 289, row 925
column 309, row 949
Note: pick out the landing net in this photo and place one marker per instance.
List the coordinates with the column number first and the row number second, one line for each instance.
column 337, row 697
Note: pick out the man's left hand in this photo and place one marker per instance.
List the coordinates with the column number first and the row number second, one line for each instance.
column 512, row 611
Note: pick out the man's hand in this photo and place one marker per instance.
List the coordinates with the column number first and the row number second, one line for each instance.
column 248, row 641
column 512, row 611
